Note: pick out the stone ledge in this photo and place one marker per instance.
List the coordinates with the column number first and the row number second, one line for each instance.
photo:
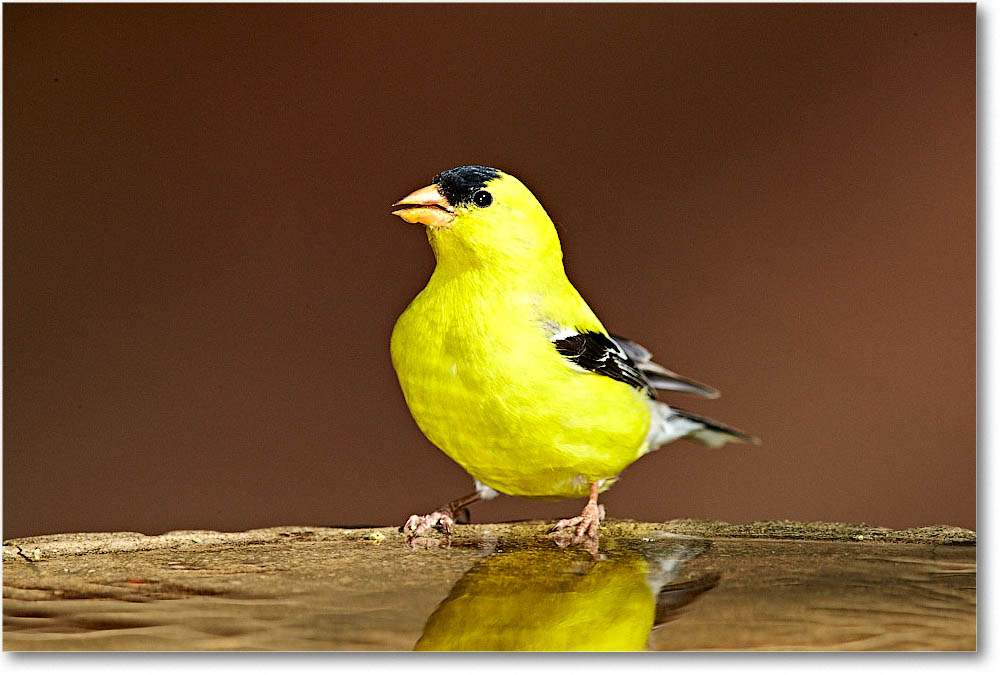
column 32, row 549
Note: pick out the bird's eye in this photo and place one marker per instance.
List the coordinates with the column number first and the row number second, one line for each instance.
column 482, row 198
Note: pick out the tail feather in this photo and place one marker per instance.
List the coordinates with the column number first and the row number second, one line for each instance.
column 672, row 423
column 715, row 434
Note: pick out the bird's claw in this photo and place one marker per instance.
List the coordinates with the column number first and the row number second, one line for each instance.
column 417, row 525
column 586, row 524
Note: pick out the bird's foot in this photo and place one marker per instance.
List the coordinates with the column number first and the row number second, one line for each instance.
column 442, row 519
column 586, row 523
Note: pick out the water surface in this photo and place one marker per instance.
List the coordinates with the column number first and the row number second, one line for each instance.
column 487, row 592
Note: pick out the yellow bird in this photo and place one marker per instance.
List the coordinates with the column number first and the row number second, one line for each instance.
column 506, row 369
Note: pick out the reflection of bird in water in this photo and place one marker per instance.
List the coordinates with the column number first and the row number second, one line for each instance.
column 552, row 600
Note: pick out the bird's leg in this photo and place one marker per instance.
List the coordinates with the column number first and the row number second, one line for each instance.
column 587, row 522
column 443, row 517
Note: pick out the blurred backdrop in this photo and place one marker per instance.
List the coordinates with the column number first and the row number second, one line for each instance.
column 201, row 273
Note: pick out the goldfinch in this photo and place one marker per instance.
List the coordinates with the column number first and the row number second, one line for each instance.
column 506, row 369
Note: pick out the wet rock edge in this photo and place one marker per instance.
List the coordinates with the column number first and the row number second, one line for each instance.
column 32, row 549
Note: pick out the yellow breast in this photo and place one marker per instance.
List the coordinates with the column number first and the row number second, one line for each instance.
column 486, row 386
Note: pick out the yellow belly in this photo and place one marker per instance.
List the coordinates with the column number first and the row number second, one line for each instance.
column 482, row 383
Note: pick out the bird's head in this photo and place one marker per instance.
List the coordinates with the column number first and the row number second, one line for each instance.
column 477, row 216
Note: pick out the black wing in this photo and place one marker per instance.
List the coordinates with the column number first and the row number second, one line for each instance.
column 659, row 377
column 600, row 354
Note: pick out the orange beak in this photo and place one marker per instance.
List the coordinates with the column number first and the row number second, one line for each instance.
column 426, row 206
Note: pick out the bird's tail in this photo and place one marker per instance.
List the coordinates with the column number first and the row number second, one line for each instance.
column 669, row 424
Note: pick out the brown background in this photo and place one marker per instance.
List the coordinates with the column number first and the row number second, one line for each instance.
column 201, row 273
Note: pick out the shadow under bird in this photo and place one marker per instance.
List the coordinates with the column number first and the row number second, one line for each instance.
column 506, row 369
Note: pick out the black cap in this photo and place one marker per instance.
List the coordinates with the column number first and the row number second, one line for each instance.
column 459, row 184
